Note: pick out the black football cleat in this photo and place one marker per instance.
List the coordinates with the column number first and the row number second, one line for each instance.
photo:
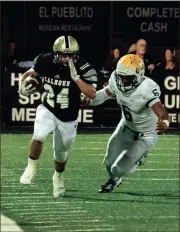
column 141, row 162
column 110, row 185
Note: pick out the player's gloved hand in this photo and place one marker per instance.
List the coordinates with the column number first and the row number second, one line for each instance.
column 73, row 70
column 26, row 90
column 161, row 127
column 85, row 101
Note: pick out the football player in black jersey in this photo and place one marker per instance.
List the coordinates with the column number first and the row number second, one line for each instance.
column 65, row 75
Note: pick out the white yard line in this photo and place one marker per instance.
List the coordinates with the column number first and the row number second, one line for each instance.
column 106, row 136
column 69, row 221
column 152, row 154
column 148, row 162
column 94, row 148
column 64, row 213
column 91, row 179
column 15, row 185
column 47, row 208
column 105, row 141
column 136, row 179
column 42, row 203
column 57, row 203
column 143, row 217
column 63, row 226
column 104, row 148
column 162, row 162
column 84, row 169
column 77, row 230
column 94, row 230
column 28, row 197
column 24, row 194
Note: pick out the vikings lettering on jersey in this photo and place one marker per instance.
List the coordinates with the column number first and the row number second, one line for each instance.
column 136, row 107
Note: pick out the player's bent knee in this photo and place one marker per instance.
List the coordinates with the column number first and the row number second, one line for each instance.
column 39, row 137
column 40, row 134
column 68, row 143
column 60, row 156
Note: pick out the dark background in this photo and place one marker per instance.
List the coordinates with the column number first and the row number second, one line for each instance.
column 109, row 27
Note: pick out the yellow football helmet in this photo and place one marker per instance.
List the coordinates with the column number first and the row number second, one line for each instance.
column 129, row 72
column 65, row 46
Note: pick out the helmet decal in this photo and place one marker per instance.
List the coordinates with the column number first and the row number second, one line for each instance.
column 130, row 70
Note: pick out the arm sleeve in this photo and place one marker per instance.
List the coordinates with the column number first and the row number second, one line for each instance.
column 87, row 72
column 101, row 97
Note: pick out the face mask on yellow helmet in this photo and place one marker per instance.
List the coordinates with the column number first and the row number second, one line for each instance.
column 65, row 46
column 129, row 72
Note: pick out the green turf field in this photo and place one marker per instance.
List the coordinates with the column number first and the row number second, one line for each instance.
column 146, row 201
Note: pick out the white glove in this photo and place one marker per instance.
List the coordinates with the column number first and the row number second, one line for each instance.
column 26, row 91
column 73, row 71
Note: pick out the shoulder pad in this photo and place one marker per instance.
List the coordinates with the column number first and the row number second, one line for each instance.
column 43, row 57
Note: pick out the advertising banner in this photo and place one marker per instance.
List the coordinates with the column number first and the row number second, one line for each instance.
column 156, row 22
column 88, row 22
column 19, row 110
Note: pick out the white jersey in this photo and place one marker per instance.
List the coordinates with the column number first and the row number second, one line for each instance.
column 136, row 108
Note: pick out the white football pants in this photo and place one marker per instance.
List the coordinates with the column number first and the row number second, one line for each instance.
column 64, row 133
column 124, row 152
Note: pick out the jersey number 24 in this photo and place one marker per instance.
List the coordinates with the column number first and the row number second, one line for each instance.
column 62, row 97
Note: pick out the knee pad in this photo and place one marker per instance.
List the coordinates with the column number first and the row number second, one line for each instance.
column 40, row 133
column 61, row 156
column 67, row 143
column 61, row 150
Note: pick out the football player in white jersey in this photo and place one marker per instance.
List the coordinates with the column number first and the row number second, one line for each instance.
column 143, row 118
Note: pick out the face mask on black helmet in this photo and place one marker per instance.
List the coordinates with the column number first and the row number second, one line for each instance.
column 65, row 46
column 129, row 72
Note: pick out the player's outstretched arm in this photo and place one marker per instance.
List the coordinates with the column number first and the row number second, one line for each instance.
column 87, row 89
column 102, row 95
column 163, row 117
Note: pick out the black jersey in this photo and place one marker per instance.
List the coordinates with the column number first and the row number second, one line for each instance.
column 62, row 96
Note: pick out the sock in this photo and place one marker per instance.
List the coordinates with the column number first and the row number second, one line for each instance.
column 32, row 163
column 58, row 174
column 115, row 178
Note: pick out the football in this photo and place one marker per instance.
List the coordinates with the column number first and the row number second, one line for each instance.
column 35, row 81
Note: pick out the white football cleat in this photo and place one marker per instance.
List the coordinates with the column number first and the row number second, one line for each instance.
column 28, row 175
column 58, row 184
